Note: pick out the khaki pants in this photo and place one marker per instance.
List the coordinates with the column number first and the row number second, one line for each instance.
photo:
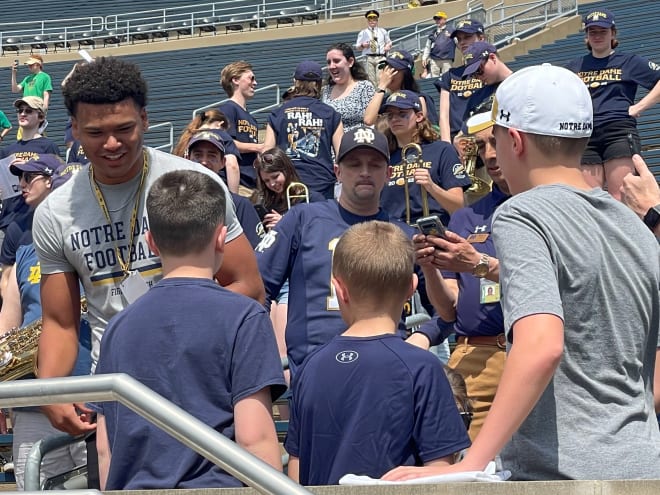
column 371, row 66
column 439, row 67
column 481, row 367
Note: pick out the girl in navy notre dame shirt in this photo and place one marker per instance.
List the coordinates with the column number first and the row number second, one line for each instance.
column 613, row 78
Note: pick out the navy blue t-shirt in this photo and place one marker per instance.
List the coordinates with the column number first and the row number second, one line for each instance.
column 248, row 218
column 18, row 233
column 202, row 347
column 460, row 91
column 445, row 169
column 475, row 225
column 243, row 127
column 613, row 81
column 364, row 405
column 77, row 154
column 299, row 249
column 303, row 128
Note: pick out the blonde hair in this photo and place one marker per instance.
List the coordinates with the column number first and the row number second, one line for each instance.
column 231, row 72
column 201, row 119
column 375, row 260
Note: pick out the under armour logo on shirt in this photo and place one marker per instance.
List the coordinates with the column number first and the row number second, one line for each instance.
column 346, row 356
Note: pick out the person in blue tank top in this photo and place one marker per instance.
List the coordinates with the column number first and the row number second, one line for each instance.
column 613, row 79
column 307, row 130
column 21, row 306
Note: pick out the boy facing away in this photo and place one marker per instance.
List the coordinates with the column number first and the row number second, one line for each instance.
column 367, row 401
column 210, row 351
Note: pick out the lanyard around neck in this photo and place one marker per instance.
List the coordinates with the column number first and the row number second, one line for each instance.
column 125, row 266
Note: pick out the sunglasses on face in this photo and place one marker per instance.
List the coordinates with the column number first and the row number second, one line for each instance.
column 480, row 70
column 30, row 177
column 25, row 110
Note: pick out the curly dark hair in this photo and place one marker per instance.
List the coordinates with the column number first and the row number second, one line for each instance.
column 106, row 80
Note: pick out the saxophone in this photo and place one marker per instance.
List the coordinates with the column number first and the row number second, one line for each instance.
column 469, row 153
column 19, row 347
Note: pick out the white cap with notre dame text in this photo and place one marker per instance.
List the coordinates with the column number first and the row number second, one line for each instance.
column 544, row 99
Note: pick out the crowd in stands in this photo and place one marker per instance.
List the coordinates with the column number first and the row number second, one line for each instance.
column 354, row 212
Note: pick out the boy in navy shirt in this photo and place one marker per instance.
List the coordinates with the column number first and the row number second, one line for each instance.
column 210, row 351
column 367, row 401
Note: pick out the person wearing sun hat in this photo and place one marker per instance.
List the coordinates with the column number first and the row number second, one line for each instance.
column 440, row 48
column 581, row 356
column 307, row 130
column 374, row 42
column 613, row 78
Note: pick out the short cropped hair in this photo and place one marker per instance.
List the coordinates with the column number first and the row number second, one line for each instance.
column 375, row 260
column 106, row 80
column 562, row 146
column 231, row 72
column 185, row 207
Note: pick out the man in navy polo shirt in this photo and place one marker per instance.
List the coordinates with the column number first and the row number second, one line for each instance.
column 467, row 293
column 440, row 47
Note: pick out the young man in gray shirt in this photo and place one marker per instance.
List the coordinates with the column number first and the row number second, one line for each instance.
column 580, row 278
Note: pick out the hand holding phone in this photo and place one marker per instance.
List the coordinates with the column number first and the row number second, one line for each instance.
column 431, row 225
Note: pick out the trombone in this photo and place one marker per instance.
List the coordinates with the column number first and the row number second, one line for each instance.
column 411, row 156
column 296, row 190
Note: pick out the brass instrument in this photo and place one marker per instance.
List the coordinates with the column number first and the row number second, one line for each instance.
column 411, row 156
column 469, row 154
column 19, row 347
column 373, row 44
column 291, row 193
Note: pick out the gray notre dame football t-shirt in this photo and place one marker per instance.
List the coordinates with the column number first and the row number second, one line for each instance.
column 71, row 234
column 586, row 258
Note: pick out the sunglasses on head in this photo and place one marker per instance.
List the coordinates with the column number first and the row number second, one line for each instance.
column 264, row 158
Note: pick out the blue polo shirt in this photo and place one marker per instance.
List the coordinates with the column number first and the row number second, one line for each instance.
column 472, row 317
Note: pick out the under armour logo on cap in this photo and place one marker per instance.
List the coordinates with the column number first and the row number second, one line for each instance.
column 504, row 116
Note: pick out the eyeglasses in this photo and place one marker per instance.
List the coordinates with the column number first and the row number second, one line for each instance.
column 25, row 110
column 30, row 177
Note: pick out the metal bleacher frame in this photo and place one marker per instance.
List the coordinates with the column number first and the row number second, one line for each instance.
column 161, row 24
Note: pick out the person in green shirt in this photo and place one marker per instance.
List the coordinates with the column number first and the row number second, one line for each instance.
column 5, row 125
column 37, row 83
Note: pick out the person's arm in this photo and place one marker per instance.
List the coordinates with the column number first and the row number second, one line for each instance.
column 426, row 53
column 455, row 254
column 445, row 129
column 103, row 449
column 249, row 147
column 255, row 430
column 15, row 87
column 4, row 280
column 443, row 293
column 58, row 343
column 450, row 199
column 233, row 173
column 336, row 138
column 373, row 109
column 269, row 140
column 293, row 468
column 5, row 131
column 388, row 41
column 441, row 462
column 535, row 354
column 651, row 98
column 46, row 98
column 640, row 192
column 239, row 272
column 11, row 314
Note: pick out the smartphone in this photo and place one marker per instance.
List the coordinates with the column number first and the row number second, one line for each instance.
column 431, row 225
column 17, row 62
column 261, row 211
column 635, row 147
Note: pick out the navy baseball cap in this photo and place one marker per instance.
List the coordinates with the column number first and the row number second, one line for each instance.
column 209, row 136
column 308, row 71
column 600, row 18
column 363, row 137
column 469, row 26
column 404, row 99
column 43, row 164
column 63, row 173
column 475, row 54
column 400, row 60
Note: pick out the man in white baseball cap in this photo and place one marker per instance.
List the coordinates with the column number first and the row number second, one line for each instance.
column 580, row 277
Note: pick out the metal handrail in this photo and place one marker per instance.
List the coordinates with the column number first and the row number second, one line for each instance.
column 156, row 409
column 258, row 110
column 170, row 127
column 32, row 478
